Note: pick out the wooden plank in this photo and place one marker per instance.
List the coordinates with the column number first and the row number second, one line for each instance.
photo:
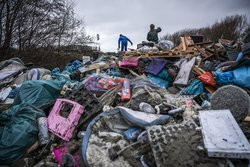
column 215, row 51
column 202, row 43
column 210, row 89
column 247, row 119
column 161, row 54
column 199, row 70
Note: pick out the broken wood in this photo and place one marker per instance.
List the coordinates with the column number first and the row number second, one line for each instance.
column 202, row 43
column 215, row 51
column 247, row 119
column 166, row 54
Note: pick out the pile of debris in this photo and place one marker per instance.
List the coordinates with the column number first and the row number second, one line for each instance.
column 154, row 106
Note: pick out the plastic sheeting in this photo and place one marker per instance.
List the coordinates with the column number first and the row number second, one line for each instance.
column 156, row 66
column 242, row 76
column 146, row 49
column 9, row 69
column 165, row 45
column 19, row 131
column 38, row 73
column 38, row 93
column 239, row 76
column 64, row 75
column 195, row 88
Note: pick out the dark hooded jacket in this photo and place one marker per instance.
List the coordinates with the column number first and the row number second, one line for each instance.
column 153, row 35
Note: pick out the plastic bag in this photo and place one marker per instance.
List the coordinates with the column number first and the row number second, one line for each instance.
column 195, row 88
column 146, row 49
column 165, row 45
column 208, row 79
column 132, row 133
column 130, row 62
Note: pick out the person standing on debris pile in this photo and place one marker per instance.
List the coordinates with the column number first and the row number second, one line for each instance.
column 153, row 34
column 124, row 41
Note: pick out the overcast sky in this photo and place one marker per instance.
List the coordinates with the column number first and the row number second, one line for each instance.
column 109, row 18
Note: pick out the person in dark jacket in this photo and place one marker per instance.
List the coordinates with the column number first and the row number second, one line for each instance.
column 153, row 34
column 123, row 40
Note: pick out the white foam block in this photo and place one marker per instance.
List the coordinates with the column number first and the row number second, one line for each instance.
column 222, row 135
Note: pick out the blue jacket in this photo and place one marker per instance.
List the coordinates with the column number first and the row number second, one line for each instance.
column 124, row 40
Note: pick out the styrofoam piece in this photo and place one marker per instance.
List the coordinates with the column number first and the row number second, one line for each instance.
column 64, row 127
column 4, row 93
column 222, row 135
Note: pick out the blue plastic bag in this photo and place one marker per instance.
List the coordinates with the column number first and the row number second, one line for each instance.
column 157, row 80
column 239, row 76
column 195, row 88
column 242, row 76
column 132, row 133
column 224, row 78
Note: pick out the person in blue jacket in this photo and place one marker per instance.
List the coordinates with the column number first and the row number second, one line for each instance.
column 123, row 40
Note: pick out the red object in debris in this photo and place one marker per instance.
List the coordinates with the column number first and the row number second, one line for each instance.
column 130, row 62
column 126, row 94
column 208, row 79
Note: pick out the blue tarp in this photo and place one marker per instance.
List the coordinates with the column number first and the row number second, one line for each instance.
column 195, row 88
column 18, row 131
column 163, row 79
column 239, row 76
column 38, row 93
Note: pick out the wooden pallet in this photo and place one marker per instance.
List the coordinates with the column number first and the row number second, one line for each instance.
column 167, row 54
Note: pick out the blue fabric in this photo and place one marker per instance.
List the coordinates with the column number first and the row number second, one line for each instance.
column 38, row 93
column 56, row 71
column 116, row 72
column 142, row 84
column 64, row 75
column 156, row 66
column 163, row 119
column 123, row 40
column 163, row 78
column 14, row 92
column 195, row 88
column 71, row 67
column 224, row 78
column 165, row 75
column 240, row 56
column 242, row 76
column 239, row 76
column 18, row 131
column 132, row 134
column 159, row 81
column 124, row 46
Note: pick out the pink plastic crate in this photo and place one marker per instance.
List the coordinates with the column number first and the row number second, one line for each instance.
column 64, row 127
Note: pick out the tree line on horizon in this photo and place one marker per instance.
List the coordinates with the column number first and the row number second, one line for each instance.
column 231, row 28
column 26, row 24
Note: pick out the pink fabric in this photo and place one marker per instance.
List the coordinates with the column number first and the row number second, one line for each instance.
column 60, row 151
column 130, row 62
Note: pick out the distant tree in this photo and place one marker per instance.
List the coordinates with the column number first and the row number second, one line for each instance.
column 26, row 24
column 229, row 28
